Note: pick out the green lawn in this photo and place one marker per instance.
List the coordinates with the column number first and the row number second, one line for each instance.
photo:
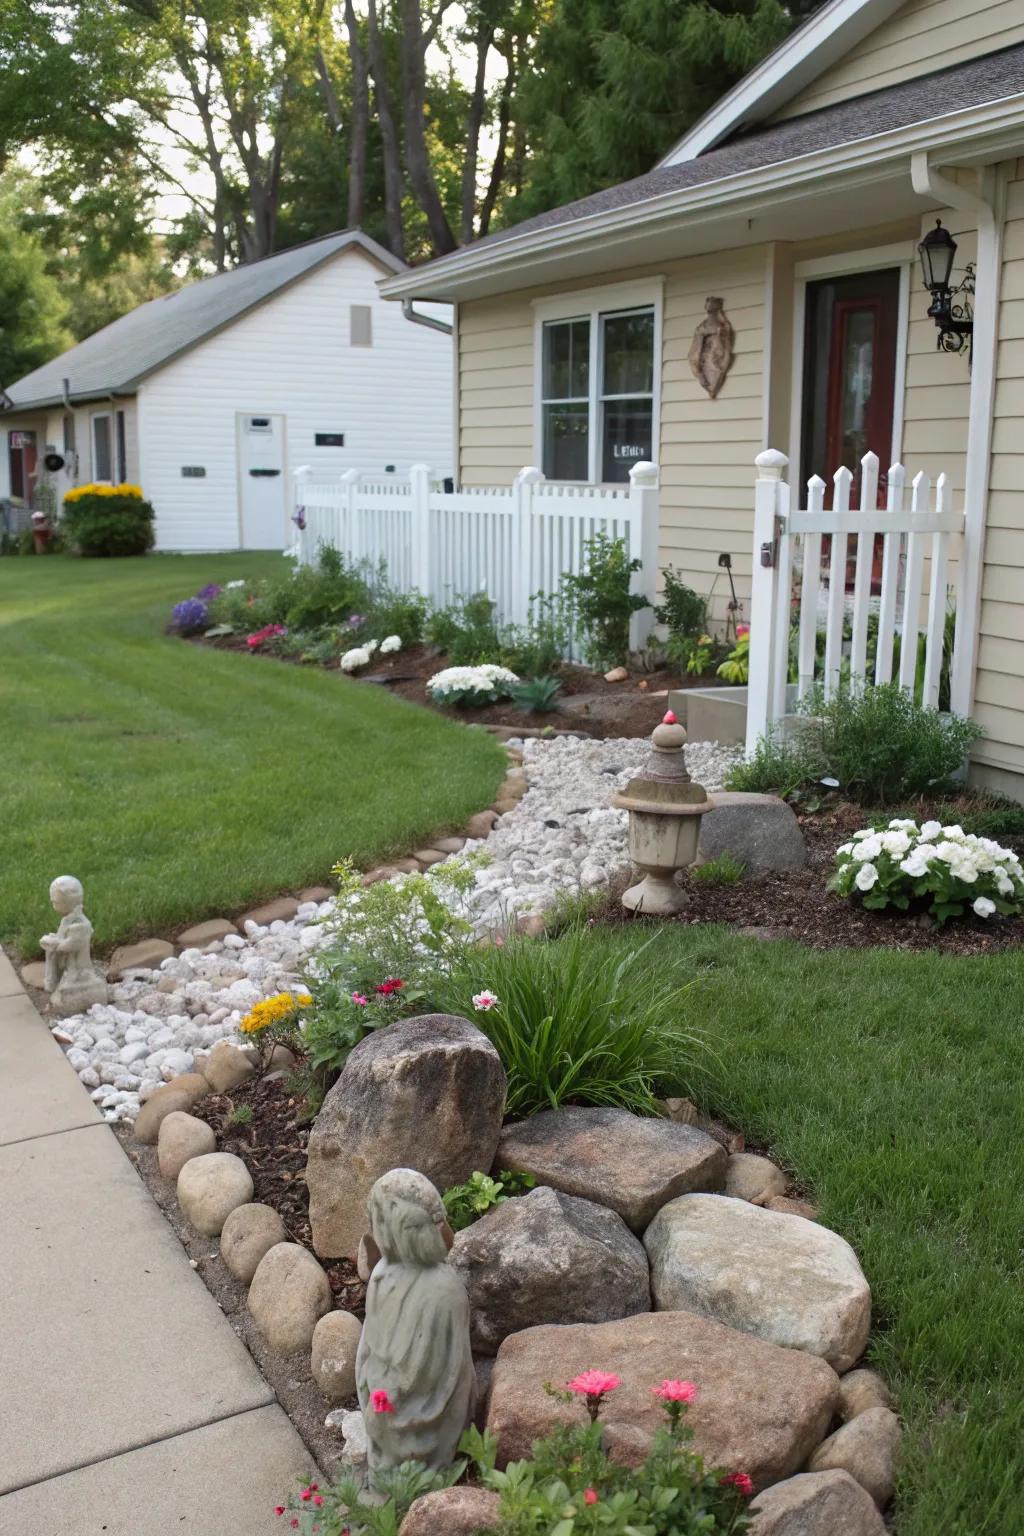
column 179, row 782
column 892, row 1085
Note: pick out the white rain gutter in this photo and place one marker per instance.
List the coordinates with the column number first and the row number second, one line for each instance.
column 987, row 207
column 862, row 160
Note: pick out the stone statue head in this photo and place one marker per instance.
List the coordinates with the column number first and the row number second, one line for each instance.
column 713, row 304
column 407, row 1219
column 66, row 894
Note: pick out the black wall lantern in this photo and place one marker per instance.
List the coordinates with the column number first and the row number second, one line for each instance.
column 950, row 307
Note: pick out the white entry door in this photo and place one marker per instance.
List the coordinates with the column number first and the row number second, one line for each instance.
column 262, row 481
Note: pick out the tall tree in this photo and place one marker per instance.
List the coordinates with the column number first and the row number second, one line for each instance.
column 33, row 310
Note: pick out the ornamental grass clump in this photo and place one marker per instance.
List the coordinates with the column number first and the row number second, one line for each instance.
column 573, row 1025
column 943, row 870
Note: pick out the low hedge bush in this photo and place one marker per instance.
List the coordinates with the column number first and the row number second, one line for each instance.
column 108, row 520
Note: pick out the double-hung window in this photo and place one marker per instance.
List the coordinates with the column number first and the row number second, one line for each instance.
column 597, row 407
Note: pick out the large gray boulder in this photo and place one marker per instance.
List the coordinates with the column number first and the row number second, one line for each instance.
column 780, row 1277
column 761, row 831
column 426, row 1093
column 816, row 1504
column 759, row 1409
column 632, row 1165
column 548, row 1258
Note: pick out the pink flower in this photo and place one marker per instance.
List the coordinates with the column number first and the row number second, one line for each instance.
column 359, row 999
column 318, row 1499
column 676, row 1391
column 380, row 1402
column 590, row 1496
column 740, row 1481
column 741, row 630
column 484, row 1001
column 392, row 984
column 279, row 1509
column 594, row 1383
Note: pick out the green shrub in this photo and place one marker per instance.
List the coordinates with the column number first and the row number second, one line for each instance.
column 572, row 1027
column 466, row 1203
column 882, row 746
column 539, row 646
column 315, row 596
column 600, row 601
column 941, row 867
column 466, row 632
column 682, row 610
column 108, row 525
column 537, row 694
column 395, row 613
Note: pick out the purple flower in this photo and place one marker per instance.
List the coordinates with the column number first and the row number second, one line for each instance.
column 209, row 592
column 354, row 620
column 189, row 617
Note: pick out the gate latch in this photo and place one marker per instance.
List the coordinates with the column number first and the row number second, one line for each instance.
column 768, row 555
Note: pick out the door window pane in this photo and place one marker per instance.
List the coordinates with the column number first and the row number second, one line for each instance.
column 567, row 440
column 567, row 359
column 101, row 448
column 627, row 432
column 628, row 353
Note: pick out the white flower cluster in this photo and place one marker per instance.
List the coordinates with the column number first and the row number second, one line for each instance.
column 950, row 865
column 390, row 643
column 467, row 685
column 358, row 656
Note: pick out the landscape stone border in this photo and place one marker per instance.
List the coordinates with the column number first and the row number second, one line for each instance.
column 829, row 1458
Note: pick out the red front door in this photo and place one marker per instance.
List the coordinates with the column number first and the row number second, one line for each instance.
column 21, row 448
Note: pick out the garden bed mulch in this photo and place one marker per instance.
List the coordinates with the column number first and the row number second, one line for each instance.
column 586, row 703
column 799, row 906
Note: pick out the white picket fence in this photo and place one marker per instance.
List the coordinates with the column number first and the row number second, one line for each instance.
column 916, row 555
column 510, row 542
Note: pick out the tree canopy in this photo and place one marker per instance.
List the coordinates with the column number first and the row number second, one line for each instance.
column 156, row 139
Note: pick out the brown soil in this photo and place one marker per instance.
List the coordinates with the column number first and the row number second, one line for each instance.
column 798, row 905
column 586, row 703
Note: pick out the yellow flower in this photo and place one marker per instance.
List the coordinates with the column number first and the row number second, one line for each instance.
column 77, row 492
column 273, row 1010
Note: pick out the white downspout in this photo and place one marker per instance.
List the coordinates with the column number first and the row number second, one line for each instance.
column 414, row 315
column 987, row 205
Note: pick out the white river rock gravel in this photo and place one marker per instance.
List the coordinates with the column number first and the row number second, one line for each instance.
column 562, row 837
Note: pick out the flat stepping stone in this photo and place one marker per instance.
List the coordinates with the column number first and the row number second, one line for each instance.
column 145, row 955
column 282, row 910
column 779, row 1277
column 759, row 1409
column 317, row 893
column 205, row 933
column 632, row 1165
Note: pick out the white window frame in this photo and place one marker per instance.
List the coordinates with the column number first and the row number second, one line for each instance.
column 592, row 303
column 107, row 416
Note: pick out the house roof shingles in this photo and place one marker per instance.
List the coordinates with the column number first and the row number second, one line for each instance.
column 114, row 359
column 990, row 78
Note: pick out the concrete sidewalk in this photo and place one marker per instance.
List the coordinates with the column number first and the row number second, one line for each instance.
column 128, row 1406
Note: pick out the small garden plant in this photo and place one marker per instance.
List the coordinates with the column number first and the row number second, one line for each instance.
column 943, row 870
column 466, row 1203
column 601, row 600
column 471, row 687
column 108, row 520
column 570, row 1486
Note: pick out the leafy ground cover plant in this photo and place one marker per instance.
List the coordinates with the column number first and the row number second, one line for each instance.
column 537, row 695
column 572, row 1031
column 600, row 600
column 471, row 687
column 341, row 1510
column 725, row 870
column 108, row 520
column 943, row 869
column 736, row 666
column 466, row 1203
column 779, row 764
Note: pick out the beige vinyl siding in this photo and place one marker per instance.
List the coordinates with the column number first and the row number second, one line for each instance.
column 923, row 36
column 999, row 688
column 706, row 448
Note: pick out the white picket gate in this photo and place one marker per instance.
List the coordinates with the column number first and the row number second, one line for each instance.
column 510, row 542
column 788, row 543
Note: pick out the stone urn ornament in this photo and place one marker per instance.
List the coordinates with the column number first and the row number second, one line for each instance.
column 665, row 808
column 71, row 978
column 414, row 1366
column 711, row 352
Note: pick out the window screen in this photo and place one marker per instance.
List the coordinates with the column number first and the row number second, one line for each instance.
column 101, row 456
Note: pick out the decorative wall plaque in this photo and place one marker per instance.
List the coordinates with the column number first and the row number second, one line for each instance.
column 711, row 352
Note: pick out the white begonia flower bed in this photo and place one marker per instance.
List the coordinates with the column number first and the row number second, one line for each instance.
column 389, row 644
column 948, row 866
column 483, row 684
column 562, row 837
column 358, row 656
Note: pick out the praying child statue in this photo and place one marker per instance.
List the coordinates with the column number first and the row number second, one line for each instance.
column 414, row 1368
column 71, row 980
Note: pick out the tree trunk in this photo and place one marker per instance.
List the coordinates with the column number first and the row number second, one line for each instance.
column 473, row 125
column 417, row 158
column 497, row 176
column 360, row 120
column 389, row 139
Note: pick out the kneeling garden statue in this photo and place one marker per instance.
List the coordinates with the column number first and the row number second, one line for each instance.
column 414, row 1368
column 71, row 979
